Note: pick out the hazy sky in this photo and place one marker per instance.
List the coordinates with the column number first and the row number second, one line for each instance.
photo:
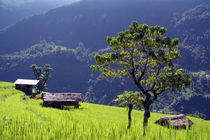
column 21, row 2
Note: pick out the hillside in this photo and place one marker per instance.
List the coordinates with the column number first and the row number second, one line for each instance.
column 65, row 62
column 12, row 11
column 90, row 21
column 24, row 118
column 71, row 73
column 193, row 28
column 74, row 33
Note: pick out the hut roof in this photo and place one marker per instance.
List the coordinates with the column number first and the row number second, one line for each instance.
column 178, row 121
column 26, row 82
column 63, row 97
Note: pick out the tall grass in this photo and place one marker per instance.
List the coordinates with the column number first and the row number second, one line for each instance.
column 23, row 118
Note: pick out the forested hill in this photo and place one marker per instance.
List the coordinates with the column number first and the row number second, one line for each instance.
column 90, row 21
column 193, row 28
column 12, row 11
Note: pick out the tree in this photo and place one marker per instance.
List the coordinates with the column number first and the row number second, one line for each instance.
column 145, row 55
column 42, row 75
column 130, row 99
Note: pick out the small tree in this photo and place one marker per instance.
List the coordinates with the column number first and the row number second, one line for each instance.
column 130, row 99
column 144, row 54
column 42, row 75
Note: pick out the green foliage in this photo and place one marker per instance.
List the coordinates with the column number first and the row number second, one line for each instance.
column 130, row 98
column 40, row 49
column 42, row 75
column 29, row 120
column 143, row 53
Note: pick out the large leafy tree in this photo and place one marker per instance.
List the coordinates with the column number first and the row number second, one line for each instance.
column 41, row 74
column 144, row 54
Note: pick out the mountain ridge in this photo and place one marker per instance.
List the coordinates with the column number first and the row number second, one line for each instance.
column 12, row 11
column 86, row 21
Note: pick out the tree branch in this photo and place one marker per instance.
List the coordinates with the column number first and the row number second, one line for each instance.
column 143, row 72
column 156, row 76
column 154, row 98
column 146, row 102
column 132, row 73
column 155, row 95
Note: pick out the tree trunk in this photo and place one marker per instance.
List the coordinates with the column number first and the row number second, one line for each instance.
column 146, row 117
column 129, row 115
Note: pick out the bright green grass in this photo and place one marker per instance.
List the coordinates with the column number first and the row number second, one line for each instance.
column 26, row 119
column 6, row 85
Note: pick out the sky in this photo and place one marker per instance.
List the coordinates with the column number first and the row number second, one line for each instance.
column 21, row 2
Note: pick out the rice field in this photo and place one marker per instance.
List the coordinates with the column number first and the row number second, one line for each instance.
column 22, row 118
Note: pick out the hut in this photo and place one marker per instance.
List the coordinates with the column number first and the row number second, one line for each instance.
column 58, row 100
column 25, row 85
column 178, row 121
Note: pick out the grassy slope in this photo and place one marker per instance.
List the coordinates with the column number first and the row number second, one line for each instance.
column 22, row 118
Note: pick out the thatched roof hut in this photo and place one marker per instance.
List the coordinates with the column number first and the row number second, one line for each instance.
column 178, row 121
column 25, row 85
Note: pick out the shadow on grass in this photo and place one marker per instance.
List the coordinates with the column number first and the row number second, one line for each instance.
column 65, row 108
